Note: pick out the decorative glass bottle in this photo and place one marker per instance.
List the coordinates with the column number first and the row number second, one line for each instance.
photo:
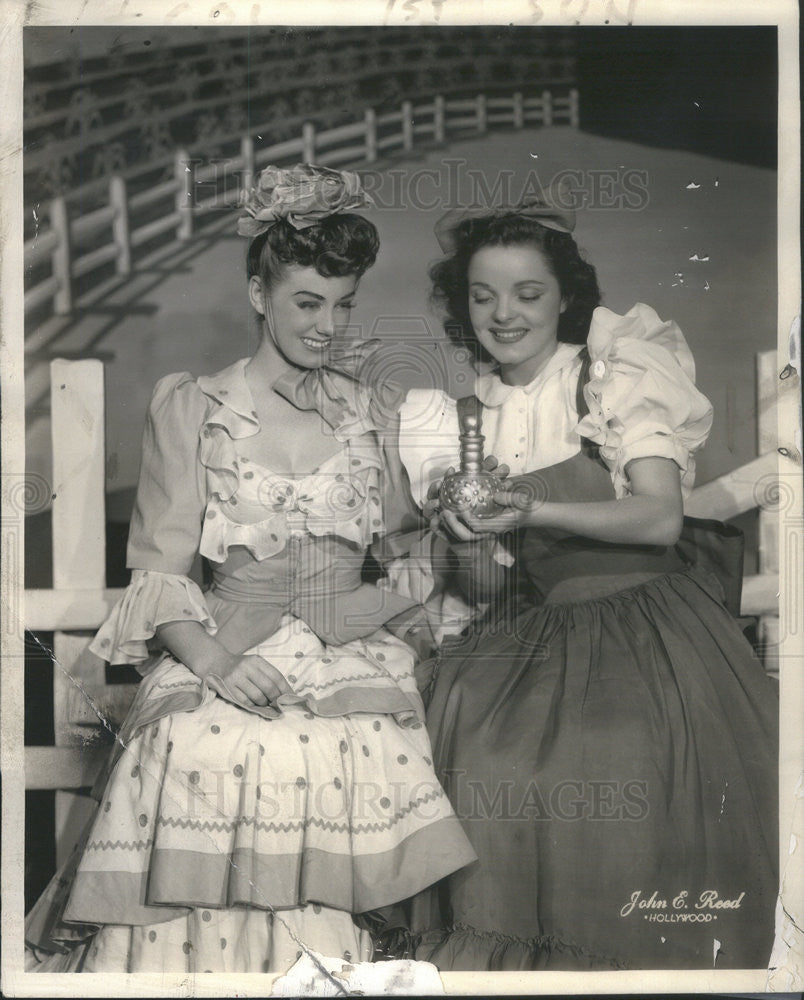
column 471, row 489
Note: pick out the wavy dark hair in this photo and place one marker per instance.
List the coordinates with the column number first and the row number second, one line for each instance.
column 576, row 278
column 336, row 246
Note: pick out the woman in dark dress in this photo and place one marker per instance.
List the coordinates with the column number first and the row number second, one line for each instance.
column 604, row 730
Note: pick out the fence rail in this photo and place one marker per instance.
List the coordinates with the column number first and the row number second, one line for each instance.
column 55, row 258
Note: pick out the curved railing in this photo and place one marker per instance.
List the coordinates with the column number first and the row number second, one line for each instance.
column 72, row 252
column 88, row 117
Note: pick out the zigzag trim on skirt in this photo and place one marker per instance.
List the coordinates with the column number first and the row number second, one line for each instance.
column 119, row 845
column 354, row 677
column 227, row 826
column 177, row 684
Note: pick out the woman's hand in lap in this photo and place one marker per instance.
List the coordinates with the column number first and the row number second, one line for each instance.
column 251, row 679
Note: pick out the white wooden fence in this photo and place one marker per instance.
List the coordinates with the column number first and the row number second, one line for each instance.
column 79, row 600
column 128, row 222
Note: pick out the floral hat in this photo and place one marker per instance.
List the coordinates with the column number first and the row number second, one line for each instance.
column 303, row 195
column 552, row 208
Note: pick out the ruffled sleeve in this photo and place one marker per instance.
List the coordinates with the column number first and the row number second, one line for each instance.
column 641, row 394
column 165, row 528
column 150, row 600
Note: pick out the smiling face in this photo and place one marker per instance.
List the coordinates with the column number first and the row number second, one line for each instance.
column 304, row 311
column 514, row 305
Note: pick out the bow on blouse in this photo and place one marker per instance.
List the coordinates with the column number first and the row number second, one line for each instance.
column 343, row 391
column 550, row 208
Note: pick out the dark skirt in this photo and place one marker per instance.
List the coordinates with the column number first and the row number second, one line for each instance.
column 613, row 759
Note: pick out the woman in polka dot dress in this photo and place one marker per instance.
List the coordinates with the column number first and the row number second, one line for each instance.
column 273, row 776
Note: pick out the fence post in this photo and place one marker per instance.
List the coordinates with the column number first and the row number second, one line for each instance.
column 247, row 152
column 119, row 202
column 184, row 172
column 573, row 108
column 79, row 553
column 60, row 224
column 519, row 112
column 547, row 108
column 438, row 119
column 407, row 125
column 481, row 113
column 371, row 135
column 308, row 142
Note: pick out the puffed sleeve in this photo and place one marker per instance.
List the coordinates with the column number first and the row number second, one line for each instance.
column 165, row 528
column 427, row 438
column 641, row 394
column 400, row 544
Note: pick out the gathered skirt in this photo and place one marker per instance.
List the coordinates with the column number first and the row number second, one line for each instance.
column 227, row 839
column 613, row 759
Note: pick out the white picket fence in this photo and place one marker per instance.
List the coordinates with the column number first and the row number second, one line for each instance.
column 79, row 600
column 117, row 232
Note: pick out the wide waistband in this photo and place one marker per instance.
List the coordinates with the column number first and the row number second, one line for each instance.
column 274, row 594
column 596, row 570
column 578, row 589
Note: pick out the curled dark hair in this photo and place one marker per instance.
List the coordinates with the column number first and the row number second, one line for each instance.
column 576, row 278
column 336, row 246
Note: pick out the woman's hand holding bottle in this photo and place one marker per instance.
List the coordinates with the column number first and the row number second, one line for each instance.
column 464, row 526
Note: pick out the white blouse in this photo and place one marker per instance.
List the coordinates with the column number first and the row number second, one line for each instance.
column 641, row 397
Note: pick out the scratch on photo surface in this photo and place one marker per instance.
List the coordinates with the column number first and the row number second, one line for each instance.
column 177, row 10
column 790, row 377
column 35, row 211
column 786, row 967
column 125, row 749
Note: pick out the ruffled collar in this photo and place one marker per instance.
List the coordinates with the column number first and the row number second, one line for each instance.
column 339, row 392
column 493, row 392
column 235, row 410
column 345, row 392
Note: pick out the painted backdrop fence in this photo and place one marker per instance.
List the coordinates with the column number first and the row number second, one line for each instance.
column 71, row 254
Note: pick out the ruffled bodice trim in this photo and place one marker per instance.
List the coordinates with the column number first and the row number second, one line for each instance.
column 253, row 507
column 239, row 503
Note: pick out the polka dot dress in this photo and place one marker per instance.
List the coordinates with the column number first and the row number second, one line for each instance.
column 209, row 940
column 227, row 837
column 214, row 817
